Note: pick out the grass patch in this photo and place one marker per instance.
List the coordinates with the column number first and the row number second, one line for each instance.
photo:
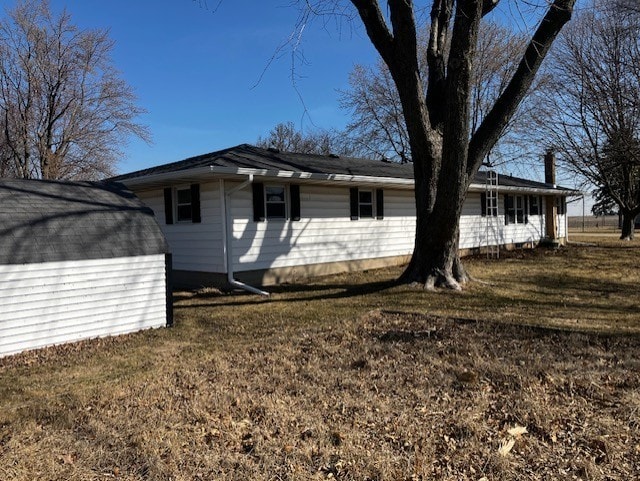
column 530, row 374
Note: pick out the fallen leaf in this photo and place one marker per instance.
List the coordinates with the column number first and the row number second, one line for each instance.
column 66, row 459
column 506, row 446
column 517, row 431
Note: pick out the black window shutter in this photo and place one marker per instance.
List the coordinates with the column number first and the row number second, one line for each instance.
column 294, row 194
column 258, row 202
column 196, row 218
column 506, row 209
column 353, row 202
column 379, row 204
column 526, row 209
column 168, row 205
column 483, row 204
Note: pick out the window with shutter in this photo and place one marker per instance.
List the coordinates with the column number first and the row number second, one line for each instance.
column 183, row 205
column 273, row 202
column 515, row 207
column 365, row 204
column 534, row 205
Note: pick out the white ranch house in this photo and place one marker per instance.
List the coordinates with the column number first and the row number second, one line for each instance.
column 78, row 260
column 263, row 217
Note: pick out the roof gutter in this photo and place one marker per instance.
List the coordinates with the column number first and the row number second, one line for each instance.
column 230, row 172
column 228, row 237
column 531, row 190
column 244, row 172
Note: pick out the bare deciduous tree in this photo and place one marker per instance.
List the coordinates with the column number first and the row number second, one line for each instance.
column 64, row 110
column 593, row 115
column 446, row 153
column 377, row 119
column 377, row 125
column 287, row 138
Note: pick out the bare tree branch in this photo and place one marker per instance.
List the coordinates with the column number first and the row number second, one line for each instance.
column 496, row 120
column 65, row 111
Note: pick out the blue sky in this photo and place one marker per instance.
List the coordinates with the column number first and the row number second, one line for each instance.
column 199, row 72
column 203, row 70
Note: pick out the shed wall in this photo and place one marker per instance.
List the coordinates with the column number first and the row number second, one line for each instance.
column 57, row 302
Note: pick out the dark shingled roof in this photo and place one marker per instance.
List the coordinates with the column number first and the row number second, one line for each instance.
column 251, row 157
column 47, row 221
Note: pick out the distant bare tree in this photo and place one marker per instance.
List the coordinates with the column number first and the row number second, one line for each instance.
column 378, row 125
column 287, row 138
column 65, row 113
column 593, row 116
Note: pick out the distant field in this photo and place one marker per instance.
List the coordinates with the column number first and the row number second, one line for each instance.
column 531, row 373
column 591, row 223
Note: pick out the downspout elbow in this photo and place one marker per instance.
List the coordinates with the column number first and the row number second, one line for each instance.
column 229, row 241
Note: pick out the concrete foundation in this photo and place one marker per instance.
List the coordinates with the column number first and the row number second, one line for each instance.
column 282, row 275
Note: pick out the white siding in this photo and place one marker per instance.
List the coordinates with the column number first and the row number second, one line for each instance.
column 57, row 302
column 195, row 247
column 325, row 232
column 562, row 225
column 478, row 231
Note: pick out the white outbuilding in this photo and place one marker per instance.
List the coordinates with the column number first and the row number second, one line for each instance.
column 78, row 260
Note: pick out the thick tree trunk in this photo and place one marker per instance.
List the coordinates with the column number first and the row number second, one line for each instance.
column 445, row 154
column 436, row 259
column 628, row 220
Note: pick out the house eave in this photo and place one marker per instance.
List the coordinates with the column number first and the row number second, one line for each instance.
column 201, row 174
column 528, row 190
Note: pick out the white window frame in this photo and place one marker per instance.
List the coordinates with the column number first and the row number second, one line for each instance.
column 521, row 215
column 538, row 203
column 285, row 202
column 517, row 213
column 177, row 204
column 371, row 204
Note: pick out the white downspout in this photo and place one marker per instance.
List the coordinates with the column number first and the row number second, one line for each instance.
column 227, row 236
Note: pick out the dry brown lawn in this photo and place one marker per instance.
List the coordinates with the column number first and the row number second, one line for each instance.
column 531, row 374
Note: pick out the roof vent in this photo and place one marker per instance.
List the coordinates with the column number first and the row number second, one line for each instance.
column 334, row 156
column 274, row 150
